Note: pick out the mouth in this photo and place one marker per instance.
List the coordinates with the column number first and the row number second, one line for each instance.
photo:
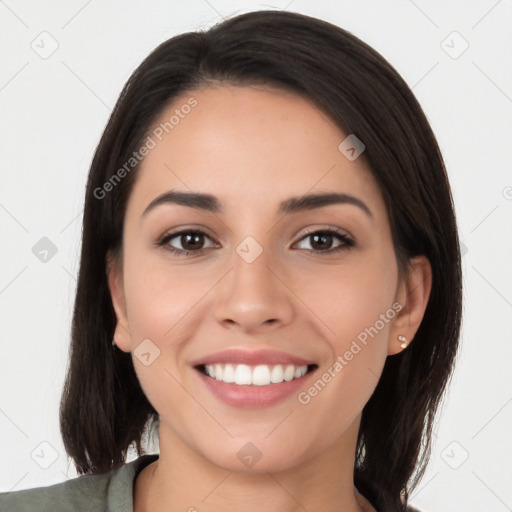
column 253, row 379
column 254, row 387
column 255, row 375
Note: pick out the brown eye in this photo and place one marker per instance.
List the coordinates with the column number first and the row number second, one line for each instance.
column 323, row 240
column 191, row 241
column 188, row 242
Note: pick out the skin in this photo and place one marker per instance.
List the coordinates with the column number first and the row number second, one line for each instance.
column 253, row 147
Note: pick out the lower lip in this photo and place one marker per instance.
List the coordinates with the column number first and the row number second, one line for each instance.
column 250, row 396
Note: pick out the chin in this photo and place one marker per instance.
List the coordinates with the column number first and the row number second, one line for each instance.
column 254, row 457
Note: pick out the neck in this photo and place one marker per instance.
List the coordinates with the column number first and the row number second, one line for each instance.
column 183, row 480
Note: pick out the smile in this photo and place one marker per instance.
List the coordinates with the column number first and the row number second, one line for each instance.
column 253, row 387
column 260, row 375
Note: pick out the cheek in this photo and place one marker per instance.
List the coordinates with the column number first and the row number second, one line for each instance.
column 159, row 294
column 348, row 298
column 356, row 314
column 353, row 311
column 165, row 303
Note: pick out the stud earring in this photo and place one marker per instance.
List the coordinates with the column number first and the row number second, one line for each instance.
column 403, row 341
column 114, row 342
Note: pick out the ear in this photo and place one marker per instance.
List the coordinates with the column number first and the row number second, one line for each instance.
column 115, row 283
column 412, row 295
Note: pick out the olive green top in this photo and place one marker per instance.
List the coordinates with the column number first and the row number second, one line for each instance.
column 107, row 492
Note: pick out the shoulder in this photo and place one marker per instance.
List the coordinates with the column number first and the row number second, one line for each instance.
column 98, row 493
column 82, row 493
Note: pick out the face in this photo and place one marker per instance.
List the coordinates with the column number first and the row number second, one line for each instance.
column 248, row 280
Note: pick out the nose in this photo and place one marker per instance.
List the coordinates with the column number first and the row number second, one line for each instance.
column 254, row 296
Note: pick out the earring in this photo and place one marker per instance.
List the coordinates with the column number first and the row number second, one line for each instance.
column 403, row 341
column 114, row 343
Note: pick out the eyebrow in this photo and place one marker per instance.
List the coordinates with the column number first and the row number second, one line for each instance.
column 210, row 203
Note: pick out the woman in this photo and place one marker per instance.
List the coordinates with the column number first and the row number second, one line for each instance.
column 270, row 276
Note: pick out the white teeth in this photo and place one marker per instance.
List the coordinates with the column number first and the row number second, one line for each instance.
column 229, row 373
column 289, row 372
column 261, row 375
column 243, row 374
column 277, row 374
column 299, row 372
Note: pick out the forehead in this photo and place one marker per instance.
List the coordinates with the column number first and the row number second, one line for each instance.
column 249, row 146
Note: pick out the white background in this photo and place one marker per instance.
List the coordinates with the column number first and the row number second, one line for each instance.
column 53, row 113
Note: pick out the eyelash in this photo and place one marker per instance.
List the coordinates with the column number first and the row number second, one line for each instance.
column 347, row 241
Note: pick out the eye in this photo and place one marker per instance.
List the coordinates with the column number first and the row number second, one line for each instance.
column 322, row 240
column 191, row 241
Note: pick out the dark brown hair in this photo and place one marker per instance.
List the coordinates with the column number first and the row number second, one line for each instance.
column 103, row 409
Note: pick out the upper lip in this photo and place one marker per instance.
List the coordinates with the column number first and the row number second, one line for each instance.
column 251, row 357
